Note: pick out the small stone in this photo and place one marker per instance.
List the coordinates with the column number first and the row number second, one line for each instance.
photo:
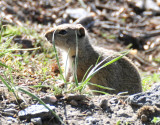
column 104, row 104
column 11, row 105
column 75, row 97
column 34, row 111
column 73, row 102
column 10, row 111
column 144, row 118
column 36, row 121
column 90, row 121
column 49, row 99
column 76, row 13
column 113, row 101
column 11, row 120
column 151, row 97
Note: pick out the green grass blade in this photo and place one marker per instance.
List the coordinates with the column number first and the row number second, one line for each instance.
column 3, row 53
column 55, row 50
column 99, row 86
column 41, row 102
column 110, row 62
column 10, row 87
column 101, row 92
column 6, row 84
column 40, row 86
column 23, row 49
column 96, row 68
column 86, row 73
column 76, row 61
column 1, row 30
column 98, row 60
column 116, row 59
column 3, row 65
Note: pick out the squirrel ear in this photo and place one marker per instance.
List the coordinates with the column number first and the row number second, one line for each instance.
column 81, row 32
column 48, row 35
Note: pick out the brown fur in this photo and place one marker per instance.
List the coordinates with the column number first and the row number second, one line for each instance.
column 121, row 75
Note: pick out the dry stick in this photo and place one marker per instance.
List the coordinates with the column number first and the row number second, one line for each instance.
column 142, row 60
column 144, row 34
column 107, row 7
column 82, row 3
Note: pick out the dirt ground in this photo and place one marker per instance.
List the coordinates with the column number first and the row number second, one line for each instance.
column 82, row 109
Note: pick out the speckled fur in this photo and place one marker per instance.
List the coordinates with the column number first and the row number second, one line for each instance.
column 121, row 75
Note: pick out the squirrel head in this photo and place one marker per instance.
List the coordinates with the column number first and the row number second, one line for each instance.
column 65, row 36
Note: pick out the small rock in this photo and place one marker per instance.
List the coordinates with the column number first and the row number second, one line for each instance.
column 73, row 102
column 76, row 13
column 11, row 105
column 146, row 113
column 91, row 121
column 75, row 97
column 11, row 111
column 11, row 120
column 49, row 99
column 26, row 43
column 104, row 105
column 151, row 97
column 144, row 118
column 35, row 111
column 113, row 101
column 36, row 121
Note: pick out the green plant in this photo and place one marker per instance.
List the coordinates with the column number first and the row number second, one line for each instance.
column 149, row 80
column 41, row 102
column 7, row 78
column 118, row 123
column 9, row 84
column 156, row 120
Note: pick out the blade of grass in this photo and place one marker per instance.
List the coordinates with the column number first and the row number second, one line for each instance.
column 7, row 43
column 40, row 86
column 23, row 49
column 76, row 61
column 3, row 53
column 110, row 62
column 6, row 84
column 96, row 69
column 99, row 86
column 82, row 3
column 10, row 88
column 55, row 50
column 1, row 30
column 41, row 102
column 86, row 73
column 3, row 65
column 99, row 92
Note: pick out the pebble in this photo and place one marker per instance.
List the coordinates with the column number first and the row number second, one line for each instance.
column 36, row 121
column 35, row 111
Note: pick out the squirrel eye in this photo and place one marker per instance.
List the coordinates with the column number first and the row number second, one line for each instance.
column 62, row 32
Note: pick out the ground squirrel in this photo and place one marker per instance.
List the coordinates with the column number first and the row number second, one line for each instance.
column 121, row 75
